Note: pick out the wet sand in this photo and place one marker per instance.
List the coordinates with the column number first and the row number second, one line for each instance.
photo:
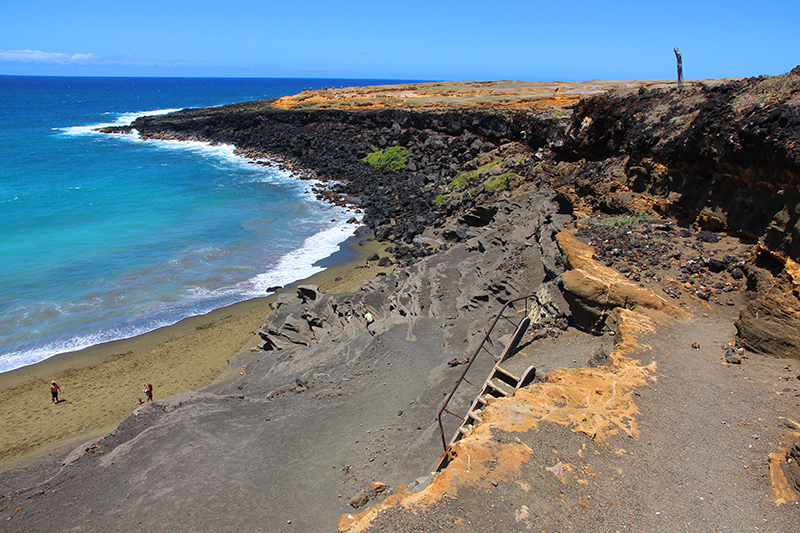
column 100, row 385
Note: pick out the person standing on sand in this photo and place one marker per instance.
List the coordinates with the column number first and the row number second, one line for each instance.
column 148, row 392
column 54, row 390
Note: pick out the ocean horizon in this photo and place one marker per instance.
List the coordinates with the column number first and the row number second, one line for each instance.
column 106, row 237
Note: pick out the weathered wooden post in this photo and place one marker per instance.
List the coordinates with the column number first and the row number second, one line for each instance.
column 680, row 67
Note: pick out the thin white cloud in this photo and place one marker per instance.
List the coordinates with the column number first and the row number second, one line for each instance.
column 37, row 56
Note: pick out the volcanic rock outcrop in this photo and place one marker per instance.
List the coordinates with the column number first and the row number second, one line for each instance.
column 719, row 157
column 671, row 196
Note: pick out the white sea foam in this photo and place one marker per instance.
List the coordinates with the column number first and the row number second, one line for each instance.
column 298, row 264
column 222, row 152
column 124, row 119
column 17, row 359
column 295, row 265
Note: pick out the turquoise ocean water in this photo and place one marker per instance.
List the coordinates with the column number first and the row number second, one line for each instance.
column 105, row 237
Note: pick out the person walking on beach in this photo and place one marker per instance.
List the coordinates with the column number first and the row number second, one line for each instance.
column 148, row 392
column 54, row 390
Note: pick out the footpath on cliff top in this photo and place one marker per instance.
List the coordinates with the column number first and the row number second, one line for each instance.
column 656, row 232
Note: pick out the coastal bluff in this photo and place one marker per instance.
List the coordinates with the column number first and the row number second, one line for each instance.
column 656, row 230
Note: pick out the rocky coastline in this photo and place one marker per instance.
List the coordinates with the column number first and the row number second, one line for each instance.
column 644, row 222
column 718, row 157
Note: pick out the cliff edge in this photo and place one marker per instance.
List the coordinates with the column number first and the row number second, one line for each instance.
column 656, row 232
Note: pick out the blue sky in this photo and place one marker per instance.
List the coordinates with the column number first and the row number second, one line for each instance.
column 411, row 39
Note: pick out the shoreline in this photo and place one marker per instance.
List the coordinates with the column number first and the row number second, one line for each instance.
column 644, row 407
column 102, row 383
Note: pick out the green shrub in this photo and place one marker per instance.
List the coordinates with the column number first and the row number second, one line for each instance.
column 464, row 178
column 490, row 164
column 461, row 181
column 394, row 158
column 499, row 183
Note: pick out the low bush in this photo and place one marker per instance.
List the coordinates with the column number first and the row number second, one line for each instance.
column 461, row 181
column 500, row 183
column 394, row 158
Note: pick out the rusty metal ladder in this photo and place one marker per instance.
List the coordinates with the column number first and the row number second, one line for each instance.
column 500, row 382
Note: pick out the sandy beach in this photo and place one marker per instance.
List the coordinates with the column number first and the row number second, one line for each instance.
column 101, row 385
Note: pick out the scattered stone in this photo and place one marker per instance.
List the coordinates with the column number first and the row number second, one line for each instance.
column 704, row 293
column 359, row 500
column 598, row 358
column 674, row 292
column 378, row 487
column 383, row 232
column 696, row 345
column 707, row 236
column 716, row 265
column 734, row 356
column 663, row 226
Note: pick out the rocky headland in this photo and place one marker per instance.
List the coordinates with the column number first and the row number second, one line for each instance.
column 655, row 231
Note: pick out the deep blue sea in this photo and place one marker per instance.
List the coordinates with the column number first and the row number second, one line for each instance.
column 105, row 237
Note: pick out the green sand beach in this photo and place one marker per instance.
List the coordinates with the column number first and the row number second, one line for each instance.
column 101, row 385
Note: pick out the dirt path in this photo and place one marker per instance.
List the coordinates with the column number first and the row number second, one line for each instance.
column 697, row 458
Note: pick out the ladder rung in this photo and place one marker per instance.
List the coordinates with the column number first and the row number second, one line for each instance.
column 507, row 373
column 503, row 389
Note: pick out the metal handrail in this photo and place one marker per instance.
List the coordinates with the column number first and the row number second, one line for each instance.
column 472, row 359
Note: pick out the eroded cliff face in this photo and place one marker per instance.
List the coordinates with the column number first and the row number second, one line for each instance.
column 720, row 157
column 723, row 159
